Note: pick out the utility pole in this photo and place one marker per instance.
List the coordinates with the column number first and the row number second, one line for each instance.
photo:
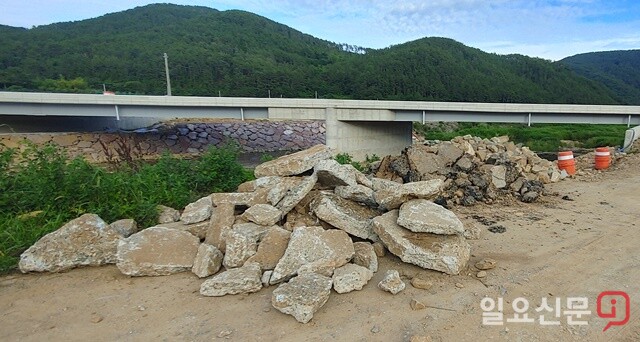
column 166, row 71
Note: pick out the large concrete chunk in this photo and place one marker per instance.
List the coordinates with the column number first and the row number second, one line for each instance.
column 331, row 174
column 271, row 248
column 357, row 193
column 263, row 214
column 157, row 251
column 302, row 296
column 246, row 279
column 365, row 255
column 444, row 253
column 125, row 227
column 350, row 277
column 221, row 222
column 240, row 247
column 197, row 211
column 423, row 216
column 296, row 194
column 196, row 229
column 349, row 216
column 295, row 163
column 392, row 198
column 167, row 214
column 313, row 245
column 84, row 241
column 207, row 262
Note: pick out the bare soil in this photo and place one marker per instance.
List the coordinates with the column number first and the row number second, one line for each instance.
column 578, row 246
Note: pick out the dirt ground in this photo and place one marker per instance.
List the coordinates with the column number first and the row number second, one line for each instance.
column 574, row 247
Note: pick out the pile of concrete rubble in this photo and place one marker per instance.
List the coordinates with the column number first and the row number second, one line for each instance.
column 473, row 169
column 306, row 224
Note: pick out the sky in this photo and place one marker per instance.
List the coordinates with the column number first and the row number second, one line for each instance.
column 549, row 29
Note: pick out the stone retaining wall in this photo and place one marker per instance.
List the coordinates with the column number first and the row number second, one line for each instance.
column 184, row 138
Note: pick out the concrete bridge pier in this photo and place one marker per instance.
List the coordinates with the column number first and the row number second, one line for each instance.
column 361, row 138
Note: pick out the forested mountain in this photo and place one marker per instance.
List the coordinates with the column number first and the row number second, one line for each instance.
column 237, row 53
column 617, row 70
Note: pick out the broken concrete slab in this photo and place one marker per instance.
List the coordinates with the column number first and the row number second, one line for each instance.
column 302, row 296
column 309, row 245
column 350, row 277
column 240, row 247
column 392, row 198
column 223, row 217
column 157, row 251
column 295, row 163
column 444, row 253
column 167, row 214
column 347, row 215
column 198, row 229
column 263, row 214
column 365, row 255
column 83, row 241
column 246, row 279
column 331, row 174
column 271, row 248
column 357, row 193
column 423, row 216
column 208, row 261
column 125, row 227
column 296, row 194
column 197, row 211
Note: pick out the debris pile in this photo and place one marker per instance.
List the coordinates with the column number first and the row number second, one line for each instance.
column 473, row 169
column 307, row 224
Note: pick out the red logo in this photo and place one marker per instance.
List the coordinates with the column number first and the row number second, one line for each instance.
column 612, row 305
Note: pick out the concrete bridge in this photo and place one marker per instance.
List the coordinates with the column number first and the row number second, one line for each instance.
column 358, row 127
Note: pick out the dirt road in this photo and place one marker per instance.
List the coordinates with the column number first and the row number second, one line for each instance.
column 577, row 247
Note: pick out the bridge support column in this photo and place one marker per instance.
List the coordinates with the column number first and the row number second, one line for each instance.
column 362, row 138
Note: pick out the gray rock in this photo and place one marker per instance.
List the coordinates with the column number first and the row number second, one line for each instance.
column 422, row 216
column 392, row 198
column 157, row 251
column 208, row 261
column 240, row 247
column 263, row 214
column 349, row 216
column 357, row 193
column 125, row 227
column 331, row 174
column 449, row 152
column 350, row 277
column 498, row 174
column 197, row 211
column 302, row 296
column 196, row 229
column 221, row 222
column 296, row 194
column 271, row 248
column 167, row 214
column 392, row 282
column 295, row 163
column 444, row 253
column 246, row 279
column 365, row 255
column 313, row 245
column 84, row 241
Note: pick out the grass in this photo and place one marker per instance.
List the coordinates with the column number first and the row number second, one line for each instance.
column 539, row 137
column 41, row 189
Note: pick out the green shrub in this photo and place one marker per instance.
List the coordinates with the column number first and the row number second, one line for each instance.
column 44, row 180
column 539, row 137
